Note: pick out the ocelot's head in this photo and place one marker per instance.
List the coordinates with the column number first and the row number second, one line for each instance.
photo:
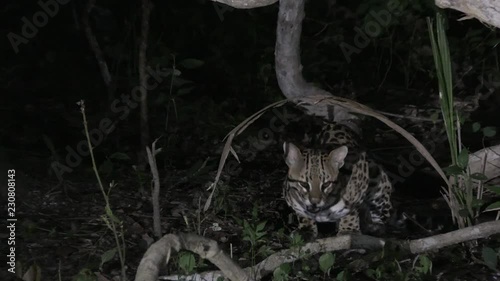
column 313, row 175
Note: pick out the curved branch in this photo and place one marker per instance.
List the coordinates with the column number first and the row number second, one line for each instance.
column 289, row 68
column 206, row 248
column 209, row 249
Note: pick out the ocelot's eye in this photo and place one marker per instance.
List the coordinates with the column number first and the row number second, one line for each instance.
column 327, row 184
column 304, row 185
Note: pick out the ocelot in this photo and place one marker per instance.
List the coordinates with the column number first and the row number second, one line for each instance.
column 331, row 179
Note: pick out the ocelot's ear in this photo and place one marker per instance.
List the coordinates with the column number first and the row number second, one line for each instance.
column 293, row 156
column 338, row 155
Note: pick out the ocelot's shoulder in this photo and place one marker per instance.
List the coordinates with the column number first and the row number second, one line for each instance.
column 338, row 134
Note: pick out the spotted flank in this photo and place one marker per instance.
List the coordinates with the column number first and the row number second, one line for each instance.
column 332, row 180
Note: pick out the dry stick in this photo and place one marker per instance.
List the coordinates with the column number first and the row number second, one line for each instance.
column 94, row 45
column 155, row 192
column 227, row 146
column 143, row 45
column 207, row 248
column 109, row 218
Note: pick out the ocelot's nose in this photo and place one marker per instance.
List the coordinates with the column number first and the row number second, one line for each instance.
column 314, row 201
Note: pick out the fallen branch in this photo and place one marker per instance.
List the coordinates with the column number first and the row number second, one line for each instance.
column 207, row 248
column 246, row 4
column 486, row 11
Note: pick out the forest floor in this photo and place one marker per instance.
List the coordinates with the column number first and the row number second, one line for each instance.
column 61, row 230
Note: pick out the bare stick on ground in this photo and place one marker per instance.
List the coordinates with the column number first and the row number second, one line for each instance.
column 155, row 190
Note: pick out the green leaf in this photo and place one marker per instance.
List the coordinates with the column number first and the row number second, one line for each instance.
column 476, row 127
column 326, row 262
column 463, row 158
column 260, row 226
column 477, row 203
column 191, row 63
column 341, row 276
column 479, row 176
column 187, row 262
column 425, row 264
column 119, row 156
column 281, row 272
column 296, row 239
column 493, row 207
column 107, row 256
column 489, row 131
column 494, row 188
column 490, row 257
column 453, row 170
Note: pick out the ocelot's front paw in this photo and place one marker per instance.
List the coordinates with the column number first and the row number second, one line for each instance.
column 308, row 229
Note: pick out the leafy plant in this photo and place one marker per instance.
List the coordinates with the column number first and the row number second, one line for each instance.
column 491, row 257
column 459, row 195
column 326, row 262
column 254, row 233
column 282, row 272
column 422, row 265
column 187, row 262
